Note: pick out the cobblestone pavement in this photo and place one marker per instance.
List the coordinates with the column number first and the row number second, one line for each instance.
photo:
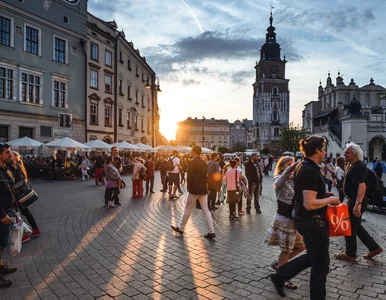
column 89, row 252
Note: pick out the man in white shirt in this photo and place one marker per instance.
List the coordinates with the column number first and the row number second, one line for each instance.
column 174, row 175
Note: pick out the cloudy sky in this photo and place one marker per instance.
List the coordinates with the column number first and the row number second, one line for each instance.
column 204, row 51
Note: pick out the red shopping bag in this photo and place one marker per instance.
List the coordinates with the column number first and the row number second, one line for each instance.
column 338, row 219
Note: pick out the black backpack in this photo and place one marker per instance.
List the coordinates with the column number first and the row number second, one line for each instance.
column 170, row 164
column 374, row 188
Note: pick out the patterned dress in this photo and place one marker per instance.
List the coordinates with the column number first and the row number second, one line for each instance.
column 282, row 231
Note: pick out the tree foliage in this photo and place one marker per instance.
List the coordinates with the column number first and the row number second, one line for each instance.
column 290, row 136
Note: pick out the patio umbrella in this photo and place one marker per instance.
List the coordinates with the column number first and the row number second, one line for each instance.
column 125, row 146
column 67, row 144
column 206, row 150
column 166, row 148
column 184, row 149
column 145, row 147
column 98, row 145
column 24, row 143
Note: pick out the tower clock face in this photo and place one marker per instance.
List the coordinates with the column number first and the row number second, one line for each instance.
column 274, row 69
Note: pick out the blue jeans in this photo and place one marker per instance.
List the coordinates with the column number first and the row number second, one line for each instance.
column 317, row 257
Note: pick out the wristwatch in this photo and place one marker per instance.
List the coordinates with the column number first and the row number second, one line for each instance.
column 358, row 202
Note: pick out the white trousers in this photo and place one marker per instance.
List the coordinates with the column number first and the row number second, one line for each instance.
column 190, row 203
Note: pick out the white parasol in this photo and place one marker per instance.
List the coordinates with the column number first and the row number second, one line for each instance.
column 98, row 145
column 166, row 148
column 24, row 143
column 145, row 147
column 67, row 144
column 125, row 146
column 206, row 150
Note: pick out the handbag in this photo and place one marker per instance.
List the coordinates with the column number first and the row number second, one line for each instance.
column 338, row 219
column 28, row 197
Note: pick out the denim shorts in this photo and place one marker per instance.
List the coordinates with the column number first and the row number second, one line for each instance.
column 5, row 230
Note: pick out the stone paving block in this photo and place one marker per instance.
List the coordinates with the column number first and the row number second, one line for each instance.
column 113, row 250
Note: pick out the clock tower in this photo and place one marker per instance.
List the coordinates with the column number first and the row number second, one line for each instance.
column 270, row 95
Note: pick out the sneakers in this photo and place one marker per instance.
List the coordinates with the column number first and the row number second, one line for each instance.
column 233, row 217
column 372, row 254
column 26, row 238
column 35, row 233
column 172, row 197
column 176, row 229
column 241, row 212
column 4, row 283
column 344, row 256
column 4, row 270
column 210, row 236
column 248, row 211
column 258, row 211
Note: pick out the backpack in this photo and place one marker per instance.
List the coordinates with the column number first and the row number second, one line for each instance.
column 142, row 173
column 378, row 168
column 374, row 188
column 170, row 164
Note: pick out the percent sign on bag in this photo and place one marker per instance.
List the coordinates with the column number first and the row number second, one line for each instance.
column 339, row 220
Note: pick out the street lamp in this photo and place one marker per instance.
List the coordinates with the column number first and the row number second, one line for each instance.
column 154, row 86
column 203, row 131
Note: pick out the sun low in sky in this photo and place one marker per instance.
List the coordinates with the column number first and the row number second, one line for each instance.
column 204, row 52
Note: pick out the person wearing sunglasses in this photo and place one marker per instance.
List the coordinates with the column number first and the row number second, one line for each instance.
column 8, row 207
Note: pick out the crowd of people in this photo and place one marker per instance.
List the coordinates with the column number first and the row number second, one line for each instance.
column 303, row 191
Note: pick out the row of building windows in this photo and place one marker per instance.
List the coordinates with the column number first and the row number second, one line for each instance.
column 33, row 40
column 31, row 87
column 94, row 55
column 108, row 118
column 108, row 88
column 207, row 128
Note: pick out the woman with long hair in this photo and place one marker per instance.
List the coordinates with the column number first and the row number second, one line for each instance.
column 232, row 178
column 282, row 231
column 21, row 185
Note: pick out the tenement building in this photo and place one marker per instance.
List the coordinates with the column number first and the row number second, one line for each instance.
column 122, row 88
column 136, row 95
column 345, row 113
column 271, row 99
column 240, row 133
column 208, row 133
column 42, row 69
column 101, row 79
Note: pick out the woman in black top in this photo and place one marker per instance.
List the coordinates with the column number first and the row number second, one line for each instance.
column 21, row 179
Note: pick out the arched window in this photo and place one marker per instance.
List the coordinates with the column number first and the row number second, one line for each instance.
column 275, row 91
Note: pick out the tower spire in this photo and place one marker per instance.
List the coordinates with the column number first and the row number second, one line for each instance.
column 270, row 17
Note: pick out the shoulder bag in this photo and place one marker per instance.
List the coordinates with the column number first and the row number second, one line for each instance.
column 28, row 197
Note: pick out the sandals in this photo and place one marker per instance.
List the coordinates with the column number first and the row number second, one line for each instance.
column 290, row 285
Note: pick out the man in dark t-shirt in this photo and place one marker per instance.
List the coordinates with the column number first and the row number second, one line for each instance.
column 354, row 187
column 99, row 165
column 311, row 201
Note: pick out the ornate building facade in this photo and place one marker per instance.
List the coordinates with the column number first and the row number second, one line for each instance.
column 122, row 88
column 241, row 133
column 271, row 100
column 203, row 132
column 42, row 69
column 345, row 113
